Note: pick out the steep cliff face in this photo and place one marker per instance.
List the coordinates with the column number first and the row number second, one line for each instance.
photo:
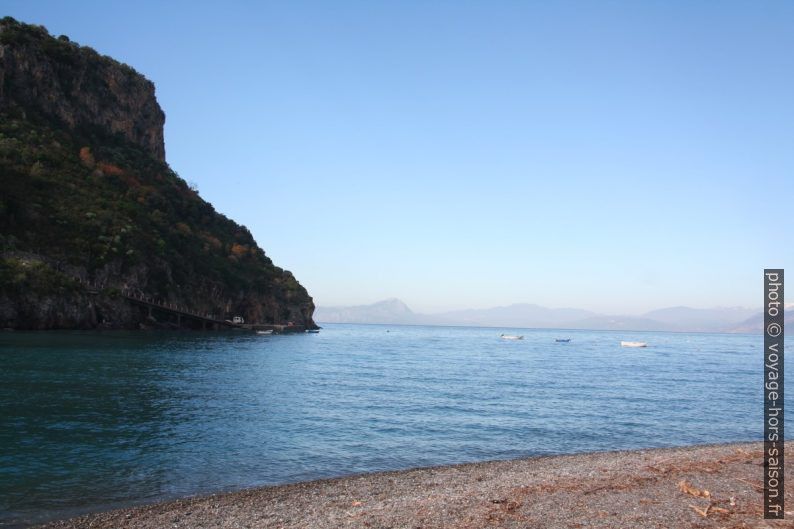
column 89, row 210
column 77, row 86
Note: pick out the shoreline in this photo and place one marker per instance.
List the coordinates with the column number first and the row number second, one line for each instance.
column 637, row 488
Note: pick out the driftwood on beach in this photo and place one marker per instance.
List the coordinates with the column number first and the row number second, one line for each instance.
column 715, row 486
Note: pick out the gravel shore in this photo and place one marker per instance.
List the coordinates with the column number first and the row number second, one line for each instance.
column 715, row 486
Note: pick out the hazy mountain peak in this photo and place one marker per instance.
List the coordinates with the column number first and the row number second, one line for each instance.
column 390, row 310
column 393, row 303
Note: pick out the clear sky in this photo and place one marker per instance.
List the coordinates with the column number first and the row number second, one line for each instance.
column 614, row 156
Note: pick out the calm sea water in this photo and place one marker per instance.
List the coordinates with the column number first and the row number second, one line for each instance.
column 91, row 421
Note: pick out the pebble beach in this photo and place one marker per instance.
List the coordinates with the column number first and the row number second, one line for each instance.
column 707, row 486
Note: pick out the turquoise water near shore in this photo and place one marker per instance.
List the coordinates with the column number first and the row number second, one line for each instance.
column 91, row 421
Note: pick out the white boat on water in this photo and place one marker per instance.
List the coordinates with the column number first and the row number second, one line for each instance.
column 633, row 344
column 265, row 332
column 511, row 337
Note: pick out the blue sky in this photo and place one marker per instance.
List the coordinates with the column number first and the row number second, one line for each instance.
column 614, row 156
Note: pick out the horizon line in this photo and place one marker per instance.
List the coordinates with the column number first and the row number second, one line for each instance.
column 535, row 328
column 713, row 307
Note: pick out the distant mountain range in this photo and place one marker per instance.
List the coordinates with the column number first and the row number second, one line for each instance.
column 734, row 319
column 386, row 311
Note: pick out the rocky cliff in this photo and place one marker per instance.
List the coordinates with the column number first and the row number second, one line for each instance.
column 91, row 213
column 77, row 86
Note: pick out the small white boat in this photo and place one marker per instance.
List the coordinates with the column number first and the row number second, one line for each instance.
column 511, row 337
column 633, row 344
column 265, row 332
column 313, row 331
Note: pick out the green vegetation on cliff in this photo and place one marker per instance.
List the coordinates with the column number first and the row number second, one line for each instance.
column 84, row 203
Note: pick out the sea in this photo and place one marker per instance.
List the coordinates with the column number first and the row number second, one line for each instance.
column 92, row 421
